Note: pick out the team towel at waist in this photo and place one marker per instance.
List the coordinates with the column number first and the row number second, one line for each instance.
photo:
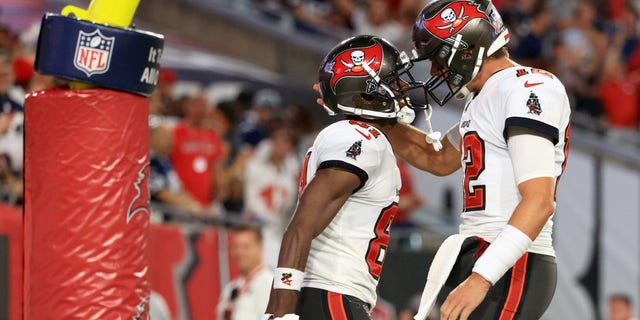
column 439, row 272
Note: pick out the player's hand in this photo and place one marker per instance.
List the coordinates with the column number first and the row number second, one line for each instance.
column 465, row 298
column 316, row 88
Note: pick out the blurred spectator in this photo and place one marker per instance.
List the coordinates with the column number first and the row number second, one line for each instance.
column 620, row 307
column 319, row 16
column 563, row 12
column 628, row 28
column 156, row 107
column 254, row 126
column 304, row 128
column 8, row 39
column 224, row 118
column 198, row 153
column 164, row 184
column 375, row 17
column 23, row 73
column 618, row 92
column 10, row 183
column 233, row 182
column 407, row 12
column 246, row 297
column 270, row 187
column 11, row 135
column 166, row 82
column 530, row 47
column 586, row 46
column 516, row 16
column 409, row 199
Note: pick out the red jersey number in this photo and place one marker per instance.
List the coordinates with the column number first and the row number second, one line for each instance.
column 378, row 244
column 302, row 180
column 474, row 199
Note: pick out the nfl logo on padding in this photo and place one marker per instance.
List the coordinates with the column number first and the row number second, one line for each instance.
column 93, row 52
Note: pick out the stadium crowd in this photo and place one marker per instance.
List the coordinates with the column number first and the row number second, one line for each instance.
column 592, row 46
column 241, row 157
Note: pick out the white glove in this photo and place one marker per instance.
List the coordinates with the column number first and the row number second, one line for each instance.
column 433, row 138
column 288, row 316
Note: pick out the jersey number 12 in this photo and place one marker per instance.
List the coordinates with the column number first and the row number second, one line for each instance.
column 474, row 198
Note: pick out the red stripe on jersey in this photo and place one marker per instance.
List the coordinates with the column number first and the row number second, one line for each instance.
column 302, row 181
column 482, row 246
column 567, row 135
column 516, row 288
column 336, row 306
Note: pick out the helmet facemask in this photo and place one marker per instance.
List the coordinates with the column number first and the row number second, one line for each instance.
column 451, row 77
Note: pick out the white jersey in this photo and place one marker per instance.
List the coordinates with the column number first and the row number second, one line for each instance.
column 517, row 96
column 270, row 195
column 246, row 298
column 270, row 190
column 347, row 256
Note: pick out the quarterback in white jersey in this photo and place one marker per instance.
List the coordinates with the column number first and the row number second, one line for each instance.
column 515, row 97
column 512, row 143
column 333, row 250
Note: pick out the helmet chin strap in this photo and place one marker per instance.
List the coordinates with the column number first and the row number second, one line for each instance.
column 370, row 113
column 432, row 137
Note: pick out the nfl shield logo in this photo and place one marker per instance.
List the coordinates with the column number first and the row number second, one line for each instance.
column 93, row 52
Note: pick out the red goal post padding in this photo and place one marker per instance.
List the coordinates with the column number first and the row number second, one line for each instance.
column 10, row 262
column 86, row 205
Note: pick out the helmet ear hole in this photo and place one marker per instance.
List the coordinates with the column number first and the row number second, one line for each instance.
column 367, row 97
column 444, row 52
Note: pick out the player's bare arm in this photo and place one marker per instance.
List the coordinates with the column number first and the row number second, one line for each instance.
column 319, row 203
column 410, row 144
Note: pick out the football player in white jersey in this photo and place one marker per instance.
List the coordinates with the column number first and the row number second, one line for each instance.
column 512, row 143
column 334, row 247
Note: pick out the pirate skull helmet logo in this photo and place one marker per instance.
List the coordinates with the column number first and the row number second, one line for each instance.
column 357, row 62
column 357, row 57
column 448, row 15
column 453, row 19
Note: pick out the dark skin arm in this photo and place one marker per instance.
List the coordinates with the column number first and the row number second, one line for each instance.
column 319, row 203
column 409, row 144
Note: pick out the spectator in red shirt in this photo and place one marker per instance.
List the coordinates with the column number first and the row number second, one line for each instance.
column 618, row 92
column 198, row 152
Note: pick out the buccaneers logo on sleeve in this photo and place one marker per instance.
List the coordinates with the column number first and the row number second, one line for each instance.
column 352, row 62
column 355, row 150
column 533, row 104
column 452, row 18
